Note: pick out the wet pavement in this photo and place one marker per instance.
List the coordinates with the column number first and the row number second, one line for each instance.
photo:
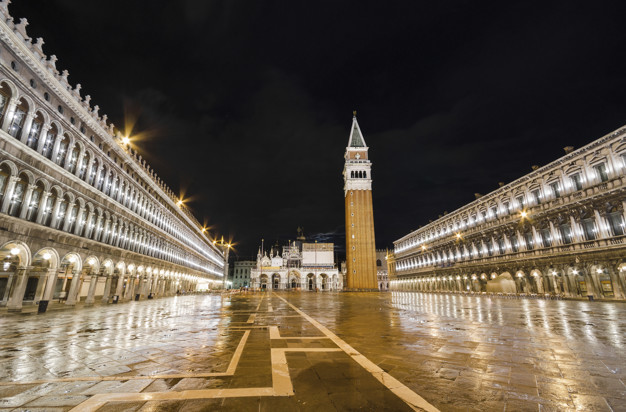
column 317, row 351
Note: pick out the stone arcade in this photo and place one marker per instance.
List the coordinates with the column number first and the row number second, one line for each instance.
column 82, row 215
column 558, row 231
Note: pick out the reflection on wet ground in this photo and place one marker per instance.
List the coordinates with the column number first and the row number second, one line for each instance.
column 209, row 352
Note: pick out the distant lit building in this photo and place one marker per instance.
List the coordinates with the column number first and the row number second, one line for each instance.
column 381, row 269
column 557, row 230
column 301, row 266
column 241, row 273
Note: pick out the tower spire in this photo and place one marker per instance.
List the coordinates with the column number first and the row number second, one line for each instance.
column 360, row 243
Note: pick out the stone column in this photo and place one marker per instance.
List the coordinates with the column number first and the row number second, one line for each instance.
column 107, row 288
column 42, row 207
column 618, row 292
column 28, row 123
column 43, row 136
column 602, row 225
column 8, row 194
column 26, row 203
column 10, row 112
column 79, row 216
column 68, row 216
column 576, row 232
column 72, row 295
column 55, row 148
column 120, row 286
column 51, row 280
column 92, row 289
column 130, row 287
column 18, row 287
column 96, row 229
column 55, row 211
column 79, row 161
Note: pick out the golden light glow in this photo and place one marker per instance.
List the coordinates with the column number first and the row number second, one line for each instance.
column 423, row 247
column 125, row 140
column 179, row 203
column 458, row 236
column 523, row 214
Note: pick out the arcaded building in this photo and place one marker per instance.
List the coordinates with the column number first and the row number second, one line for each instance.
column 559, row 230
column 301, row 266
column 82, row 215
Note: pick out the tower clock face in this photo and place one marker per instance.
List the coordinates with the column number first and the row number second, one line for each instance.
column 357, row 156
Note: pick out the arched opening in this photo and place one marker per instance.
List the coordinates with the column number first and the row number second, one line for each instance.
column 61, row 213
column 69, row 272
column 61, row 156
column 35, row 131
column 5, row 96
column 72, row 158
column 19, row 117
column 43, row 261
column 5, row 173
column 82, row 168
column 324, row 279
column 263, row 281
column 311, row 281
column 17, row 198
column 275, row 281
column 49, row 143
column 35, row 199
column 12, row 256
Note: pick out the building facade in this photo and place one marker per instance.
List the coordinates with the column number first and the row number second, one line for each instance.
column 302, row 266
column 83, row 216
column 558, row 230
column 241, row 273
column 360, row 241
column 381, row 269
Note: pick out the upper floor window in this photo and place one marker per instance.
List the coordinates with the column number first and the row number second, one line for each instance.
column 616, row 222
column 494, row 212
column 589, row 228
column 555, row 189
column 536, row 196
column 576, row 181
column 601, row 172
column 520, row 202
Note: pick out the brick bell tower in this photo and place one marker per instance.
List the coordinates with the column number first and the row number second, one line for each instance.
column 360, row 245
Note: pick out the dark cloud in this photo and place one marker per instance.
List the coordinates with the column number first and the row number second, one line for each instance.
column 246, row 106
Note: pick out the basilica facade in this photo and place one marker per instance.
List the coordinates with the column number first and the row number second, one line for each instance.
column 82, row 215
column 300, row 265
column 558, row 231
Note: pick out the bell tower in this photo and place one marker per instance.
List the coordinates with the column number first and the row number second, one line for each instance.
column 360, row 243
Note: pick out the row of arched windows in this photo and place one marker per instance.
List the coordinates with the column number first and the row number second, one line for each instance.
column 33, row 127
column 33, row 199
column 540, row 235
column 358, row 174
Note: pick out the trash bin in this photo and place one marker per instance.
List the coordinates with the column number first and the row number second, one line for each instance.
column 590, row 297
column 115, row 298
column 43, row 306
column 137, row 296
column 150, row 296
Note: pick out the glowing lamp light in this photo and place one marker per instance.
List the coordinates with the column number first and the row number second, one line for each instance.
column 125, row 140
column 131, row 267
column 15, row 251
column 91, row 261
column 46, row 256
column 599, row 271
column 179, row 203
column 107, row 264
column 72, row 259
column 523, row 214
column 458, row 236
column 575, row 272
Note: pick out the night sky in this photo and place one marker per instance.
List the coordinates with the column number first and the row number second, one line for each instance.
column 246, row 106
